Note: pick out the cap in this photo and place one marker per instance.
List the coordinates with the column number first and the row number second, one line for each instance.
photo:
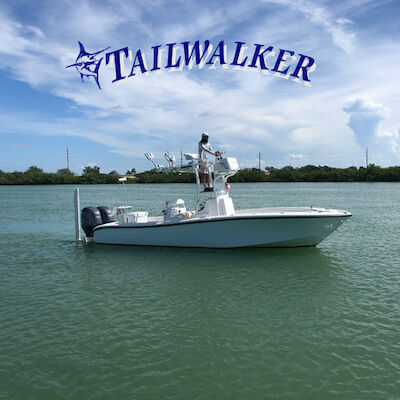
column 204, row 135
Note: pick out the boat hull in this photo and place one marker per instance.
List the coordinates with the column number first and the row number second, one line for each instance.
column 224, row 232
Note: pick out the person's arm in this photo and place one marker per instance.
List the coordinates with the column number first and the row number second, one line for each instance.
column 208, row 149
column 215, row 153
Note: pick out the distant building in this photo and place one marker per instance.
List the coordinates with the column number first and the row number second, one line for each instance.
column 129, row 176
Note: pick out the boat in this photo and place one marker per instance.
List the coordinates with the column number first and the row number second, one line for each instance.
column 214, row 223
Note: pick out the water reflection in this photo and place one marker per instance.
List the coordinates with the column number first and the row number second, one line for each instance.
column 295, row 258
column 215, row 270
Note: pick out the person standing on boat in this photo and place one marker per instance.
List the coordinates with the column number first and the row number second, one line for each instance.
column 205, row 149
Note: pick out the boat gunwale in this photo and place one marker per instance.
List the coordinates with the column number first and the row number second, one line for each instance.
column 236, row 217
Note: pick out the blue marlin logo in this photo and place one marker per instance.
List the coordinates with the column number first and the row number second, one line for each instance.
column 87, row 64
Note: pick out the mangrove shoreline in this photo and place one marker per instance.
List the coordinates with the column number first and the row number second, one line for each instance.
column 308, row 173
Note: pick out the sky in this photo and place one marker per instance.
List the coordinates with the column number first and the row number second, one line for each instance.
column 353, row 101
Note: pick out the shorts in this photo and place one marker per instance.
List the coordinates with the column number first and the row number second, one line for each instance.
column 204, row 169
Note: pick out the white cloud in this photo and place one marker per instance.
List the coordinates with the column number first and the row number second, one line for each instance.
column 366, row 107
column 296, row 156
column 320, row 16
column 390, row 138
column 343, row 21
column 365, row 117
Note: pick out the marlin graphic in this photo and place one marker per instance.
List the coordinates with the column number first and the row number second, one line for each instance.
column 87, row 64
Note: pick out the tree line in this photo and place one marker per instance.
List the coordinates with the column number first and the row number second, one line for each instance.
column 309, row 173
column 36, row 176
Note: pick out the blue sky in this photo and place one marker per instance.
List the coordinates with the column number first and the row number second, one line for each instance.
column 353, row 101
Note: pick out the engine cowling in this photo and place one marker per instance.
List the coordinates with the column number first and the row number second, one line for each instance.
column 90, row 218
column 106, row 214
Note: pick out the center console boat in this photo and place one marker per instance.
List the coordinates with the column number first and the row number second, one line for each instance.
column 214, row 223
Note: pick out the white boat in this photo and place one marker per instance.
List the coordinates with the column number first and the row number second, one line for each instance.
column 214, row 223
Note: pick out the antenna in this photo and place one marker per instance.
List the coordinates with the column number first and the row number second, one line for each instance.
column 181, row 158
column 170, row 160
column 150, row 157
column 123, row 180
column 366, row 157
column 67, row 158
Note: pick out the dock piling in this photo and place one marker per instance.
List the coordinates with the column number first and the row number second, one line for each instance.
column 77, row 206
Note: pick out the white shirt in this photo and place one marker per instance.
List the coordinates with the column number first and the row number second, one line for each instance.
column 205, row 148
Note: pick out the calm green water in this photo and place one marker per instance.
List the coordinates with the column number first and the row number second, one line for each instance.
column 111, row 322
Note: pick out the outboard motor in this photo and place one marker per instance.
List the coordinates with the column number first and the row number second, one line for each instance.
column 90, row 217
column 106, row 214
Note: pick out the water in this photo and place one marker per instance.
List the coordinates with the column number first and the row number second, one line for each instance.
column 117, row 322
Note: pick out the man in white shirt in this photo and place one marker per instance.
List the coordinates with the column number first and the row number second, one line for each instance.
column 205, row 149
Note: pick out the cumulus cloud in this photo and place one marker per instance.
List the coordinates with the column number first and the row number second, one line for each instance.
column 367, row 120
column 365, row 117
column 366, row 107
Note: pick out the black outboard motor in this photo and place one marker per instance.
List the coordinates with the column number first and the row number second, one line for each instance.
column 106, row 214
column 90, row 217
